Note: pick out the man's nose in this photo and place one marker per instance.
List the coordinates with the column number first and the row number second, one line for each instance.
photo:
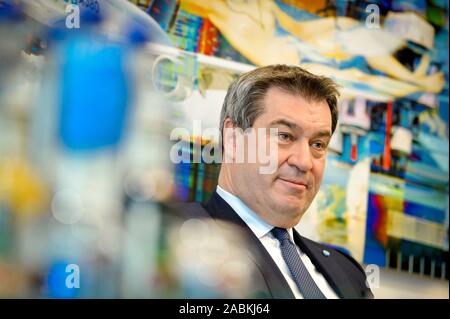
column 301, row 156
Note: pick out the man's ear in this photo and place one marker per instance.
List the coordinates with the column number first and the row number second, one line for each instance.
column 229, row 141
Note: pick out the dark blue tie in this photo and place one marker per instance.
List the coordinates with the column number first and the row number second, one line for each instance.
column 300, row 274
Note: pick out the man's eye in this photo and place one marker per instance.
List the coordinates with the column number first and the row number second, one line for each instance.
column 319, row 145
column 285, row 137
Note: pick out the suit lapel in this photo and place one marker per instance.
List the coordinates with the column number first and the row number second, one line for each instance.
column 279, row 288
column 328, row 267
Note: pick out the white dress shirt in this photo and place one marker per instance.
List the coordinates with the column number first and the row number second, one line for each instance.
column 262, row 230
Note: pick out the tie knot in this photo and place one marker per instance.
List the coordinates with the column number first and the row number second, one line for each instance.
column 280, row 233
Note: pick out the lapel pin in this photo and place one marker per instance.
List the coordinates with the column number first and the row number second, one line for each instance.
column 326, row 253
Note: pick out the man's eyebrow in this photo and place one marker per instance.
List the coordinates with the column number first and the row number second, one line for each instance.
column 287, row 123
column 293, row 126
column 324, row 133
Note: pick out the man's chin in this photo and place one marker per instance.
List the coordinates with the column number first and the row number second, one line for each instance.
column 292, row 201
column 292, row 208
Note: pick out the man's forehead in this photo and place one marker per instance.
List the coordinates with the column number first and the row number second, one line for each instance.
column 277, row 97
column 293, row 109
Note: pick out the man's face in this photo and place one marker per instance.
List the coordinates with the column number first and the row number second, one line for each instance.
column 304, row 131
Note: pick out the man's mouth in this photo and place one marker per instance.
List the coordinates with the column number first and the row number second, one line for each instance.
column 300, row 185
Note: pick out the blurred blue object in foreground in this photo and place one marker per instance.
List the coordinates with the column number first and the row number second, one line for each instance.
column 94, row 90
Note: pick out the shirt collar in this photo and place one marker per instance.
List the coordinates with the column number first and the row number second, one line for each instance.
column 258, row 226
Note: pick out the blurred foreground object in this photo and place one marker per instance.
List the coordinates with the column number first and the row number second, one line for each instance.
column 83, row 152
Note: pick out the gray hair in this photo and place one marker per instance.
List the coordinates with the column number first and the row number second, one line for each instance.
column 243, row 100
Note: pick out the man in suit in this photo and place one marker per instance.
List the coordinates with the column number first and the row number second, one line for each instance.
column 302, row 107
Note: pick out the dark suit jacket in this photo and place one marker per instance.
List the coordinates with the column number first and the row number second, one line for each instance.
column 343, row 273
